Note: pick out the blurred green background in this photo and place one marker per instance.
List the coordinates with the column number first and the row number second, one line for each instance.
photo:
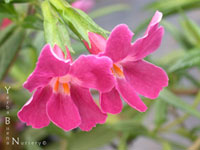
column 172, row 121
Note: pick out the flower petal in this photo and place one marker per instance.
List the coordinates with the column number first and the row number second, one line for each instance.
column 155, row 20
column 118, row 43
column 98, row 43
column 146, row 78
column 49, row 65
column 89, row 111
column 150, row 41
column 111, row 102
column 58, row 52
column 5, row 22
column 84, row 5
column 63, row 112
column 34, row 111
column 93, row 72
column 148, row 44
column 129, row 95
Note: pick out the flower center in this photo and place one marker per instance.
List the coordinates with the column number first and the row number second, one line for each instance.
column 117, row 71
column 66, row 88
column 56, row 85
column 61, row 87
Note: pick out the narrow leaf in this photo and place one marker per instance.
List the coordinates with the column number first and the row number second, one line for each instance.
column 160, row 112
column 55, row 31
column 172, row 99
column 191, row 31
column 6, row 33
column 7, row 11
column 108, row 10
column 169, row 7
column 9, row 49
column 78, row 21
column 190, row 59
column 177, row 35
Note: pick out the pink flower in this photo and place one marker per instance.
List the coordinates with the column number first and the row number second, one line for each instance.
column 6, row 22
column 133, row 74
column 62, row 90
column 84, row 5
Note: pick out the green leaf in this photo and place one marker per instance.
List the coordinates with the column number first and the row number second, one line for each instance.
column 6, row 33
column 7, row 11
column 9, row 49
column 130, row 126
column 55, row 30
column 177, row 35
column 160, row 112
column 169, row 7
column 64, row 36
column 78, row 21
column 191, row 31
column 108, row 10
column 27, row 57
column 190, row 59
column 171, row 57
column 97, row 137
column 33, row 22
column 172, row 99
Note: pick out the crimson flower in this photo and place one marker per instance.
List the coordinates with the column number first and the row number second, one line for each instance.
column 133, row 75
column 62, row 90
column 84, row 5
column 5, row 22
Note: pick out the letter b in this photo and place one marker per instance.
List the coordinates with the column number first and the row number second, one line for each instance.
column 7, row 120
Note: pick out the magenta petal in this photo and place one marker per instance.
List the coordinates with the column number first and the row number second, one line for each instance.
column 49, row 65
column 111, row 102
column 84, row 5
column 118, row 43
column 34, row 111
column 150, row 42
column 98, row 43
column 89, row 111
column 93, row 72
column 58, row 52
column 63, row 112
column 155, row 20
column 129, row 95
column 146, row 78
column 5, row 22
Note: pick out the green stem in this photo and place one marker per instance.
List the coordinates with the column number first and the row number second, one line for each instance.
column 123, row 141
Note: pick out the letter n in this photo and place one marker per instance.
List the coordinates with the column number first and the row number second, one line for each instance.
column 15, row 141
